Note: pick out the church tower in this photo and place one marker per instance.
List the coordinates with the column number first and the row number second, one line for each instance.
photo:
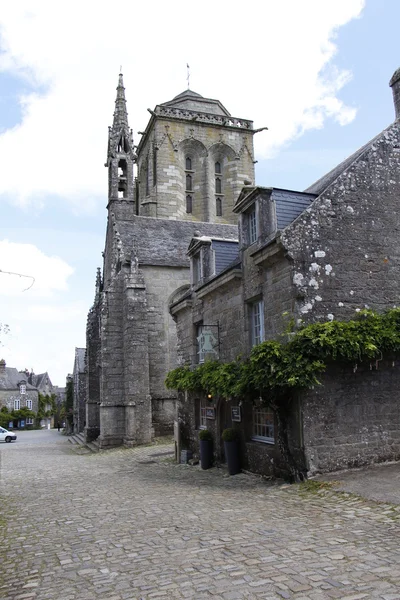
column 193, row 159
column 120, row 154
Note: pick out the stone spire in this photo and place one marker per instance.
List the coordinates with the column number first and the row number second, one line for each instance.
column 120, row 153
column 120, row 114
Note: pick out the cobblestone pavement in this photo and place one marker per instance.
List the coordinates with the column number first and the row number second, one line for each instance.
column 130, row 524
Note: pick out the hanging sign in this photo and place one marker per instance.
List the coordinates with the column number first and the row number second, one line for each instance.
column 236, row 414
column 210, row 412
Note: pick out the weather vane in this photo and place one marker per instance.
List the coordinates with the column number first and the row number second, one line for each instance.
column 188, row 74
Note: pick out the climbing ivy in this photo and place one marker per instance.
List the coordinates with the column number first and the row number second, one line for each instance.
column 295, row 362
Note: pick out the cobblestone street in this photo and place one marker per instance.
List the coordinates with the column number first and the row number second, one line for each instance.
column 130, row 524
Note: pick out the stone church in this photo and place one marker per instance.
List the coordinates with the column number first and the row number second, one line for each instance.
column 191, row 163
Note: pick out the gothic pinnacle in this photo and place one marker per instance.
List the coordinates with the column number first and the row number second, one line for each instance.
column 120, row 114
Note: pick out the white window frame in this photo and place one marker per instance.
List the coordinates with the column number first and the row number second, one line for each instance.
column 22, row 388
column 17, row 404
column 29, row 421
column 29, row 404
column 252, row 223
column 257, row 322
column 202, row 415
column 263, row 425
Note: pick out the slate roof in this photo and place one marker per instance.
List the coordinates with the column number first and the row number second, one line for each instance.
column 163, row 242
column 289, row 205
column 225, row 253
column 194, row 101
column 80, row 354
column 10, row 379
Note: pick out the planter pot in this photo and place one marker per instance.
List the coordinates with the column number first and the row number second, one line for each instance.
column 232, row 454
column 206, row 454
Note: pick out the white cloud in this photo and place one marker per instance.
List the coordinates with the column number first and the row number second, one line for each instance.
column 26, row 269
column 44, row 322
column 265, row 60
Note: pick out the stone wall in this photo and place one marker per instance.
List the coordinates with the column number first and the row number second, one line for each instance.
column 7, row 399
column 353, row 419
column 344, row 248
column 172, row 141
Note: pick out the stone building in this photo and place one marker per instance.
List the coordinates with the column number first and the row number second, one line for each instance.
column 192, row 160
column 79, row 390
column 43, row 384
column 319, row 255
column 17, row 393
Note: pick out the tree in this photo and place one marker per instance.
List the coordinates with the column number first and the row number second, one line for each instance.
column 69, row 401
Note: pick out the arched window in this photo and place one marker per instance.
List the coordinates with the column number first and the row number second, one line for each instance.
column 218, row 189
column 188, row 163
column 189, row 204
column 189, row 183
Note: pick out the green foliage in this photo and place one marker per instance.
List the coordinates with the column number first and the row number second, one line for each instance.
column 22, row 413
column 276, row 368
column 230, row 435
column 69, row 401
column 44, row 402
column 205, row 435
column 5, row 417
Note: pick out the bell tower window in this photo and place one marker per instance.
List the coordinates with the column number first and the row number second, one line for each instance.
column 218, row 189
column 189, row 175
column 122, row 178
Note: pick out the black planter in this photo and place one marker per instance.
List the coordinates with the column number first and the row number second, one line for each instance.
column 232, row 455
column 206, row 454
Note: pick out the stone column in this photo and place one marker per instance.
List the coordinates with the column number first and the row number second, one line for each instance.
column 138, row 417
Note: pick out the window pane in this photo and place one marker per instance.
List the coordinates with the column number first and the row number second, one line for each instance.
column 188, row 164
column 189, row 183
column 218, row 188
column 218, row 203
column 257, row 322
column 218, row 167
column 263, row 424
column 189, row 204
column 252, row 227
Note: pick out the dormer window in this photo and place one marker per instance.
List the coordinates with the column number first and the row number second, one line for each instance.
column 22, row 388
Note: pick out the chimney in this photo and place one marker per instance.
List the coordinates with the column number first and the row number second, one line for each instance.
column 395, row 85
column 2, row 365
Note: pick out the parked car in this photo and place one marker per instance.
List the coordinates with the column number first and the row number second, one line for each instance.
column 7, row 436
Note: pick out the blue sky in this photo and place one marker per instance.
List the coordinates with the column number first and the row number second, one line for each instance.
column 318, row 80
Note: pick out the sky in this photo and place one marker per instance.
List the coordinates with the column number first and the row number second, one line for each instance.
column 315, row 73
